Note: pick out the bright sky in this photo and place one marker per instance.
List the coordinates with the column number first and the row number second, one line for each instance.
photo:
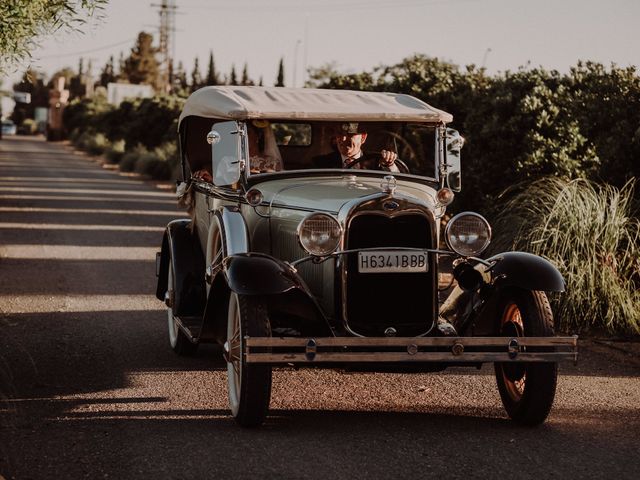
column 359, row 34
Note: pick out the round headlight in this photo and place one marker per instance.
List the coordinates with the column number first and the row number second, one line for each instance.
column 319, row 234
column 468, row 234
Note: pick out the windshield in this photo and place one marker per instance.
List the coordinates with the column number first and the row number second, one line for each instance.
column 285, row 145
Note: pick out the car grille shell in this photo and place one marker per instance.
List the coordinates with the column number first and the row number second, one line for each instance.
column 375, row 302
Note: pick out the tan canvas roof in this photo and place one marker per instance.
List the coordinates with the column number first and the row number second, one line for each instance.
column 241, row 103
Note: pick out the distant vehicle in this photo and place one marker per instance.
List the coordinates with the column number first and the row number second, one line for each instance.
column 8, row 127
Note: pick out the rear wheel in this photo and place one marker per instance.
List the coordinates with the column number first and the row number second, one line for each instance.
column 179, row 342
column 527, row 390
column 249, row 384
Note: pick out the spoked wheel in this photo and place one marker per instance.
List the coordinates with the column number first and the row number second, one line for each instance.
column 179, row 342
column 527, row 390
column 249, row 385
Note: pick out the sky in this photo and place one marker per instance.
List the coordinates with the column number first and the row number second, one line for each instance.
column 360, row 34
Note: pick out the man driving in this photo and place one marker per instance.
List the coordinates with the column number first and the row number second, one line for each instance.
column 347, row 142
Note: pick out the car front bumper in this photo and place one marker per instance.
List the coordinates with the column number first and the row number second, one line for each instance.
column 454, row 350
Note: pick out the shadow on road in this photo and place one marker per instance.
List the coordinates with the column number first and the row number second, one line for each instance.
column 93, row 386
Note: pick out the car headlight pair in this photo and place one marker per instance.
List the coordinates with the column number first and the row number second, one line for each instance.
column 468, row 234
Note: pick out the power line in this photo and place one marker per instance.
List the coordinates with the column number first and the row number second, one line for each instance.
column 327, row 8
column 130, row 40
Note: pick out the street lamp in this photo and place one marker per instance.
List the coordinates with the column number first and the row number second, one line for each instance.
column 295, row 61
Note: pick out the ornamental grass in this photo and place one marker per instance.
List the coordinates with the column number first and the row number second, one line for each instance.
column 590, row 233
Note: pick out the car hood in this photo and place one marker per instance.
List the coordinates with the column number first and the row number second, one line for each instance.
column 329, row 194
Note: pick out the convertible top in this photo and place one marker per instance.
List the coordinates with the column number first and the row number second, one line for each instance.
column 244, row 103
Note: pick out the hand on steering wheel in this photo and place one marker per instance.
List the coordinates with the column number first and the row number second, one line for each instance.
column 383, row 159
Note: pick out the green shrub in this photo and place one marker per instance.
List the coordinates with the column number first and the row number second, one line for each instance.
column 589, row 233
column 97, row 144
column 130, row 159
column 115, row 152
column 159, row 163
column 28, row 126
column 83, row 139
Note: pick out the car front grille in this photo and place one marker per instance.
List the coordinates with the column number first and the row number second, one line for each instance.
column 378, row 301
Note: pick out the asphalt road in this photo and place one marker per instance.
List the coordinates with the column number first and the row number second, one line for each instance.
column 95, row 392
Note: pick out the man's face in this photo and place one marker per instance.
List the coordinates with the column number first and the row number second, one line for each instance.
column 349, row 145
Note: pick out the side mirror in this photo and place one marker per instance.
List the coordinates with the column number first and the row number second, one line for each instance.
column 453, row 145
column 225, row 153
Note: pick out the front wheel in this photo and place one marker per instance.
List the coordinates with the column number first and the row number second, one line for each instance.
column 249, row 384
column 178, row 341
column 527, row 390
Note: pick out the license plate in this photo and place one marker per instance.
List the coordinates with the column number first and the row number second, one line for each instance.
column 393, row 261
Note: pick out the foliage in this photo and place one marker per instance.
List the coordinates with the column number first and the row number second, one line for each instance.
column 245, row 76
column 590, row 233
column 280, row 78
column 24, row 22
column 212, row 74
column 196, row 77
column 83, row 114
column 115, row 151
column 108, row 74
column 180, row 79
column 233, row 78
column 141, row 67
column 604, row 102
column 522, row 125
column 146, row 127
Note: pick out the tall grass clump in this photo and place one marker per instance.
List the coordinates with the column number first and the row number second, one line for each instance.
column 590, row 233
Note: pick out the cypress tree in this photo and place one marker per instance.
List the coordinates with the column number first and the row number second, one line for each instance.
column 233, row 79
column 212, row 75
column 196, row 78
column 280, row 79
column 245, row 76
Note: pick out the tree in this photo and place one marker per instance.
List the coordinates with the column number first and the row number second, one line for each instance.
column 280, row 79
column 122, row 74
column 108, row 74
column 212, row 75
column 141, row 67
column 180, row 79
column 76, row 86
column 30, row 20
column 245, row 76
column 233, row 78
column 196, row 78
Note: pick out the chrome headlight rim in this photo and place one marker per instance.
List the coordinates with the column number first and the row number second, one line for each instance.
column 338, row 238
column 457, row 217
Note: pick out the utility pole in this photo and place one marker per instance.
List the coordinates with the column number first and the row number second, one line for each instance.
column 167, row 10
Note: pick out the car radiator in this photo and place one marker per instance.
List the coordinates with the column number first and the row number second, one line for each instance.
column 398, row 303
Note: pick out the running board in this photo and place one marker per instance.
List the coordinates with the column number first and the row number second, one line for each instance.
column 284, row 350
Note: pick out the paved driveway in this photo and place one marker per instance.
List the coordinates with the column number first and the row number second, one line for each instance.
column 95, row 392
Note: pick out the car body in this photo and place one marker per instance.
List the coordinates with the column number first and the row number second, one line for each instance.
column 333, row 267
column 8, row 127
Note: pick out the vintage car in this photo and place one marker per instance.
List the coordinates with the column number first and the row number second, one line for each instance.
column 289, row 259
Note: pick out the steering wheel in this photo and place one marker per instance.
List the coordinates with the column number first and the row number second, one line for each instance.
column 376, row 158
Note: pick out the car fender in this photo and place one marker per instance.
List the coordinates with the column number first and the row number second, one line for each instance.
column 233, row 230
column 258, row 274
column 525, row 270
column 476, row 309
column 181, row 245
